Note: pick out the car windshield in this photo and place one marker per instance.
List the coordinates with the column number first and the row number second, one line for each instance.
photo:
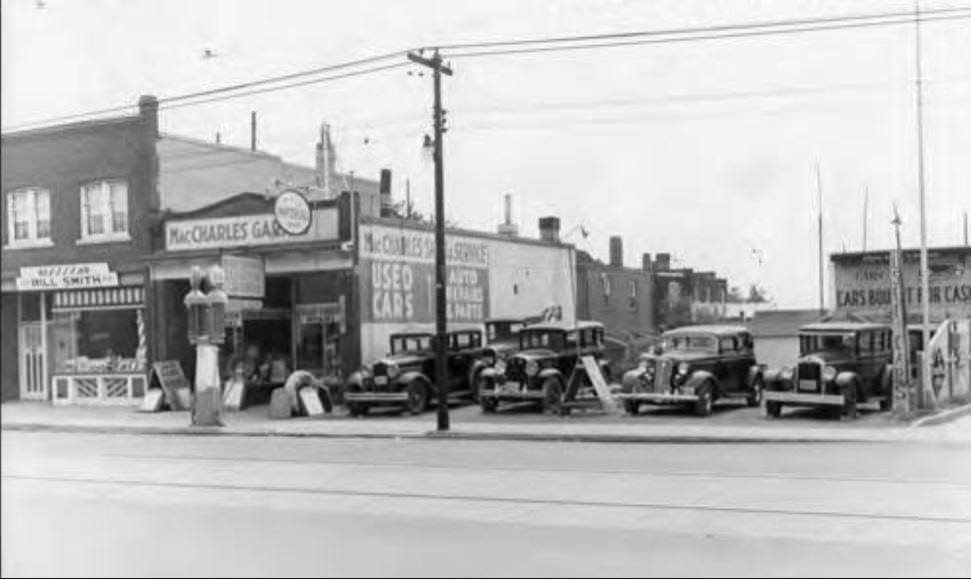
column 689, row 343
column 551, row 339
column 503, row 330
column 411, row 343
column 832, row 342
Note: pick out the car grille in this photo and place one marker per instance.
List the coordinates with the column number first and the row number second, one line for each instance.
column 662, row 375
column 808, row 375
column 516, row 370
column 380, row 369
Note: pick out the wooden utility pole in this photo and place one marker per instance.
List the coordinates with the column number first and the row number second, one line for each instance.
column 441, row 376
column 866, row 208
column 819, row 197
column 924, row 269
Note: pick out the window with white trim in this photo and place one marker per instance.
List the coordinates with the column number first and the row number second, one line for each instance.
column 28, row 216
column 104, row 209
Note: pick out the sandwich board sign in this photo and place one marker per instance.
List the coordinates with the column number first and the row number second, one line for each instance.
column 178, row 393
column 233, row 395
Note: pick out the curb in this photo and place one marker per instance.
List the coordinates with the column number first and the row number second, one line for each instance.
column 695, row 439
column 943, row 417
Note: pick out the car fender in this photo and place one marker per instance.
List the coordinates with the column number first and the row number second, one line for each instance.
column 847, row 379
column 632, row 379
column 699, row 378
column 772, row 376
column 477, row 367
column 355, row 380
column 490, row 373
column 755, row 372
column 547, row 373
column 407, row 377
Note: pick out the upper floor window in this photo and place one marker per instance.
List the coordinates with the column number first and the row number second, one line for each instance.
column 28, row 216
column 104, row 209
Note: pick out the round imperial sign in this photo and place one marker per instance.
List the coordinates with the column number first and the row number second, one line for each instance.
column 292, row 212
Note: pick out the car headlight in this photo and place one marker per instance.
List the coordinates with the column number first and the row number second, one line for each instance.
column 829, row 373
column 393, row 370
column 786, row 373
column 500, row 367
column 532, row 367
column 642, row 366
column 683, row 368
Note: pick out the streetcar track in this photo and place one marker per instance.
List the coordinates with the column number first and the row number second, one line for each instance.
column 488, row 499
column 524, row 469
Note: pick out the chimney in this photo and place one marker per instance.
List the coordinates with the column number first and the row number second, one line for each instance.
column 646, row 262
column 507, row 228
column 324, row 161
column 148, row 110
column 386, row 205
column 617, row 251
column 663, row 262
column 549, row 229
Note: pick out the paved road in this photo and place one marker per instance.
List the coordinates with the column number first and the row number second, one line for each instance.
column 113, row 505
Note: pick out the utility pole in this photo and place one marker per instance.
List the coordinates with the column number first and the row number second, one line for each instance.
column 866, row 207
column 924, row 270
column 966, row 229
column 441, row 378
column 252, row 130
column 819, row 196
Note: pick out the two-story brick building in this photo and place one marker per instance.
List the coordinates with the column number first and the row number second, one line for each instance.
column 77, row 207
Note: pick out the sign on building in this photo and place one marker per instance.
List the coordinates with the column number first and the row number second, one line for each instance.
column 901, row 352
column 247, row 230
column 398, row 276
column 863, row 284
column 67, row 277
column 245, row 276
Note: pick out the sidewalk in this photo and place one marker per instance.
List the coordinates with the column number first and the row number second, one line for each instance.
column 25, row 416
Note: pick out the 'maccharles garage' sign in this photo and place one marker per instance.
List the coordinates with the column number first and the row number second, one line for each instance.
column 245, row 230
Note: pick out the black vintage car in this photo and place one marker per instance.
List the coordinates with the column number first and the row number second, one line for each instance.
column 406, row 376
column 696, row 366
column 548, row 355
column 841, row 364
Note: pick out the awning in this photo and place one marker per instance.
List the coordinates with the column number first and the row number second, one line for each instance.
column 100, row 299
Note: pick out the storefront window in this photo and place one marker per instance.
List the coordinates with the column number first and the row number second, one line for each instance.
column 97, row 341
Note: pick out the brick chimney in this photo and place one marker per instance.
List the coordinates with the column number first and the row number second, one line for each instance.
column 507, row 228
column 148, row 110
column 385, row 189
column 549, row 229
column 646, row 262
column 663, row 262
column 616, row 251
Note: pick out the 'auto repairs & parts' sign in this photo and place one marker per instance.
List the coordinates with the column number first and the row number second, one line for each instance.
column 863, row 284
column 398, row 276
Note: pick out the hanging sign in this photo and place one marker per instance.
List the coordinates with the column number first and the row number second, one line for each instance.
column 66, row 277
column 901, row 352
column 292, row 212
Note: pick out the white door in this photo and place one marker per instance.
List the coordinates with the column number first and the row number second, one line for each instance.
column 33, row 367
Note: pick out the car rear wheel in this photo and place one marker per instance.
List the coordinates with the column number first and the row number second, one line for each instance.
column 357, row 409
column 488, row 404
column 632, row 407
column 755, row 397
column 705, row 402
column 552, row 396
column 773, row 409
column 417, row 397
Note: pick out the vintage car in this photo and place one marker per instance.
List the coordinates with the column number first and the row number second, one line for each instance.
column 406, row 376
column 548, row 355
column 841, row 364
column 696, row 366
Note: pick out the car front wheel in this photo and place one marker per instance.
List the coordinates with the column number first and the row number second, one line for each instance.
column 417, row 397
column 849, row 401
column 773, row 409
column 552, row 396
column 705, row 402
column 357, row 409
column 632, row 407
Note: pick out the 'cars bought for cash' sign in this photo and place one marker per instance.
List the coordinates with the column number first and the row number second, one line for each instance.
column 246, row 230
column 398, row 276
column 863, row 285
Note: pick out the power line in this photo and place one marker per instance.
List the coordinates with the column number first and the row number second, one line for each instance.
column 701, row 37
column 693, row 34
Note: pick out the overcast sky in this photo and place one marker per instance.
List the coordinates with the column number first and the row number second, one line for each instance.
column 702, row 149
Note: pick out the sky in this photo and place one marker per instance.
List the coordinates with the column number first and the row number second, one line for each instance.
column 706, row 150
